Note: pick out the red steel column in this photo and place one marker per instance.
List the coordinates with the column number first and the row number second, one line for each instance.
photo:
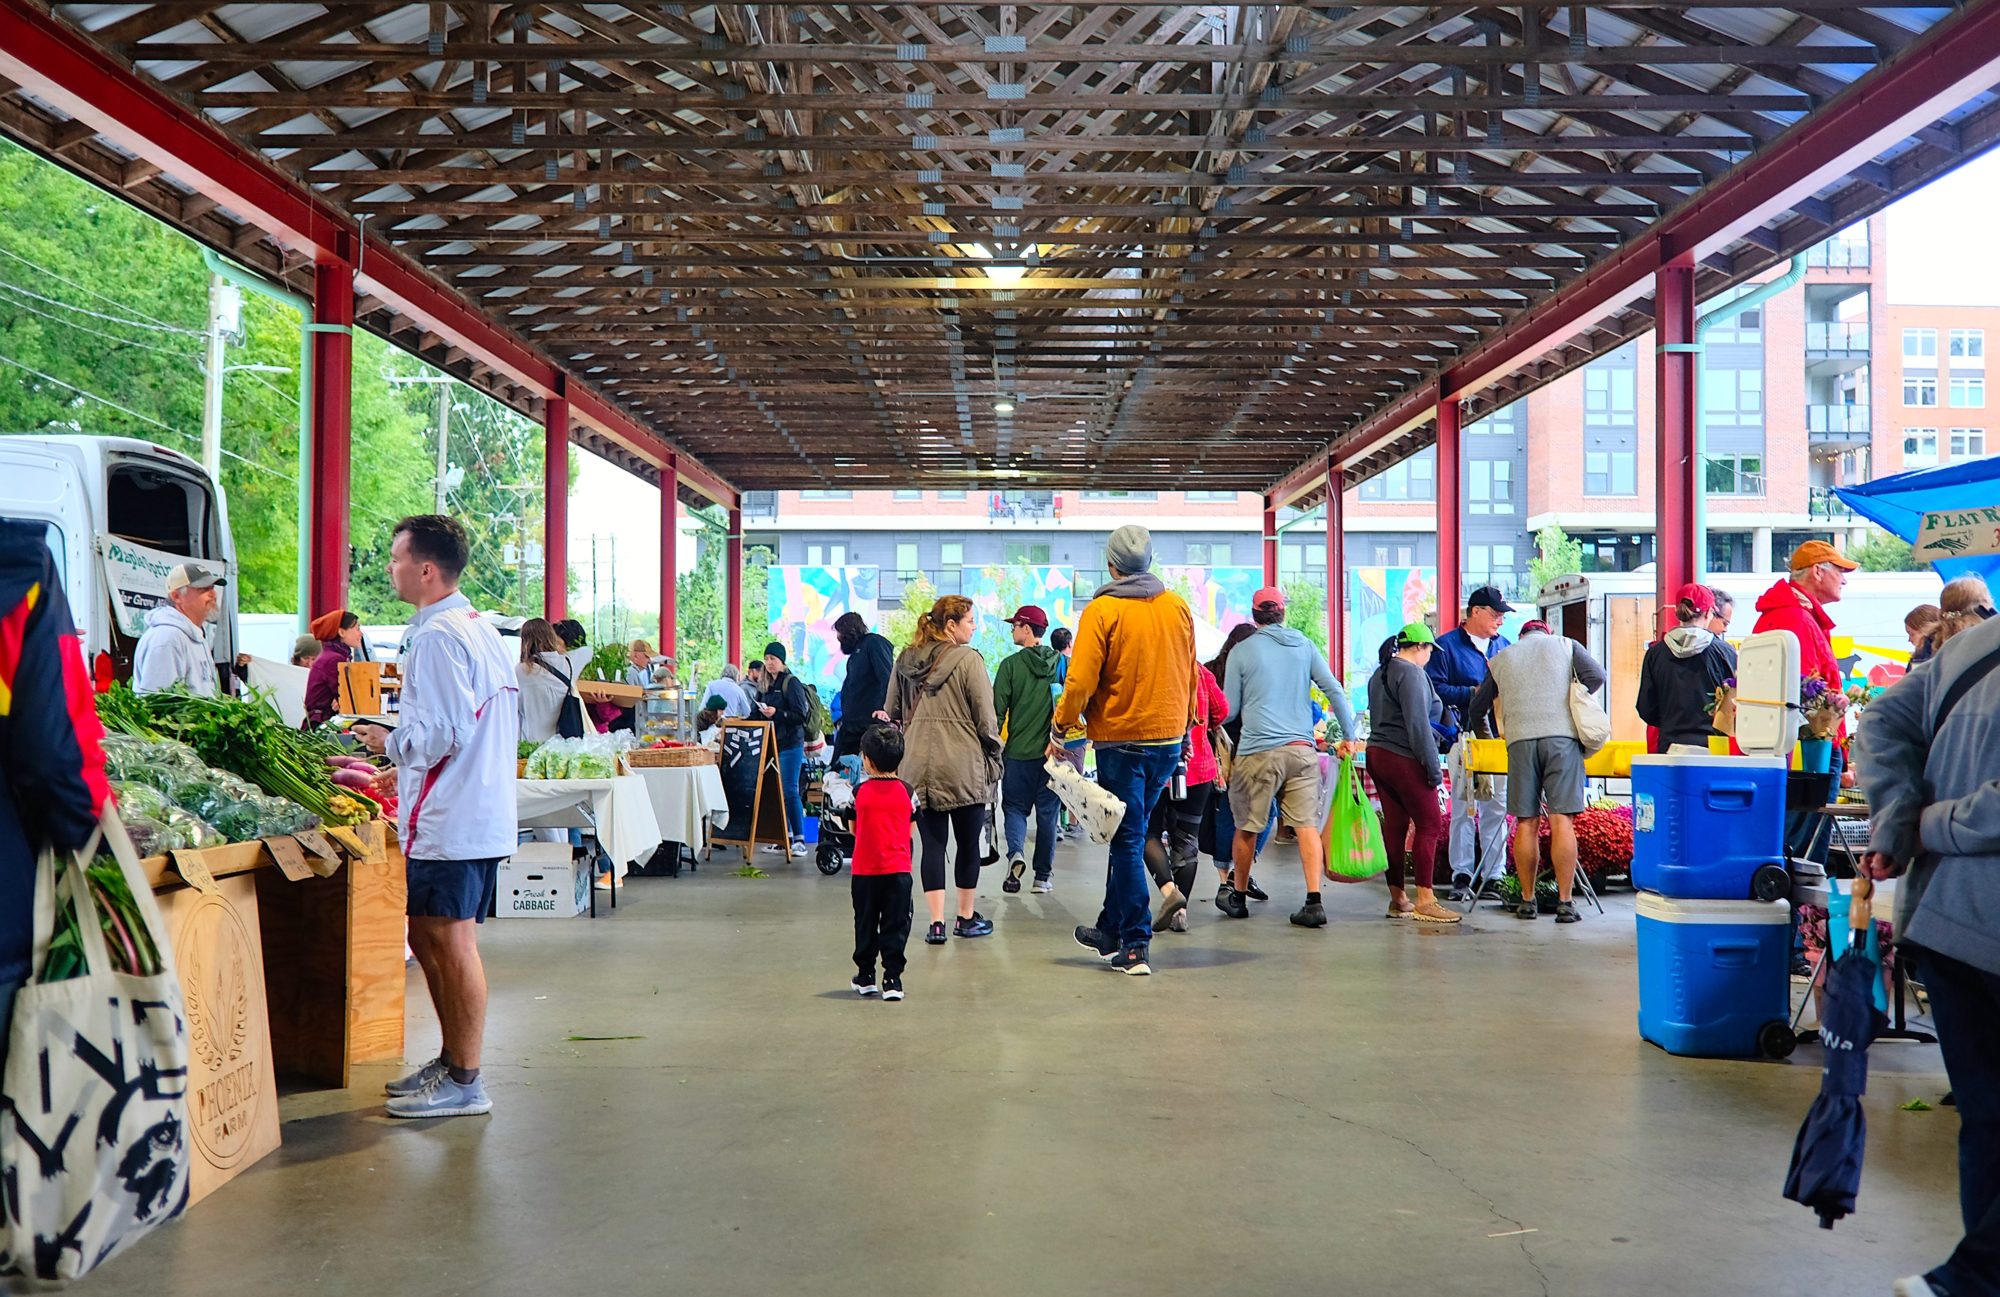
column 1270, row 542
column 1677, row 475
column 670, row 542
column 1336, row 573
column 555, row 508
column 332, row 415
column 1450, row 500
column 732, row 586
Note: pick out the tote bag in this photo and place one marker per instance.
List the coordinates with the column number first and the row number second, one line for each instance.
column 1593, row 727
column 569, row 720
column 93, row 1103
column 1354, row 849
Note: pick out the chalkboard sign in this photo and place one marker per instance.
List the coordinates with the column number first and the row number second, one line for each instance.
column 753, row 786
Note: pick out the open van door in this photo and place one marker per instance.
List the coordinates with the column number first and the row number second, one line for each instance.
column 159, row 510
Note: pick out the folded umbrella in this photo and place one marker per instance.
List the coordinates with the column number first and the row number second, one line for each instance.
column 1826, row 1158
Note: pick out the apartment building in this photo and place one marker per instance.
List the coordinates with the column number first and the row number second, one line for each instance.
column 1939, row 409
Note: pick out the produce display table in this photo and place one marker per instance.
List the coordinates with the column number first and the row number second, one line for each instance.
column 683, row 798
column 619, row 810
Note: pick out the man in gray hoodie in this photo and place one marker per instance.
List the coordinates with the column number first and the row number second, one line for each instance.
column 1269, row 684
column 1930, row 760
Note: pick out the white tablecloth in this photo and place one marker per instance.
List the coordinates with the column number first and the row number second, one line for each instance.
column 684, row 797
column 621, row 809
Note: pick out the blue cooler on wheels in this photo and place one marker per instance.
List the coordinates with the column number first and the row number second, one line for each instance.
column 1709, row 827
column 1714, row 976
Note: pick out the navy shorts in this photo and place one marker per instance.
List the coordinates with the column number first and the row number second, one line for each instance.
column 453, row 889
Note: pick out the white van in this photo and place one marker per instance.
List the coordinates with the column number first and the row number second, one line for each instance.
column 120, row 512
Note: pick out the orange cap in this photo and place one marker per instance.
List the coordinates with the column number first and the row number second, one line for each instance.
column 1815, row 552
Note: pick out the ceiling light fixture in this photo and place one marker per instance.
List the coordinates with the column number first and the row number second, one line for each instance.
column 1007, row 273
column 1003, row 406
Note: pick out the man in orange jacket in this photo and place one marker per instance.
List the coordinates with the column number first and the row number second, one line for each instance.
column 1132, row 683
column 1798, row 604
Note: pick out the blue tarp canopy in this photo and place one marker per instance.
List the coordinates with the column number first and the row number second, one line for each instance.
column 1898, row 505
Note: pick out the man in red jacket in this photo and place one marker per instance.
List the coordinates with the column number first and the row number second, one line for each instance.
column 1798, row 604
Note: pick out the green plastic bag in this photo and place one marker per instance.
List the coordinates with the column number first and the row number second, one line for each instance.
column 1354, row 848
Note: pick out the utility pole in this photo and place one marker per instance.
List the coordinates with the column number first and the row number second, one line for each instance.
column 224, row 312
column 444, row 440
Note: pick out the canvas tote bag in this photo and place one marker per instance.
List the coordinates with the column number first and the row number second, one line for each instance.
column 1593, row 727
column 94, row 1149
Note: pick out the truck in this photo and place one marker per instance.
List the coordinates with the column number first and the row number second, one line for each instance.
column 119, row 514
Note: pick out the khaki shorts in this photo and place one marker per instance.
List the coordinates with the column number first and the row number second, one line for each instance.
column 1289, row 773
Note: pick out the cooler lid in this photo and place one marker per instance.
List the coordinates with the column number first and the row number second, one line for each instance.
column 1666, row 909
column 1716, row 759
column 1767, row 694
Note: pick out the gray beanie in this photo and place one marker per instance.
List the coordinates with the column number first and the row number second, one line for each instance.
column 1130, row 549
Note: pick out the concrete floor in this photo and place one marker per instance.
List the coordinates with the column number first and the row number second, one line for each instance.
column 1375, row 1107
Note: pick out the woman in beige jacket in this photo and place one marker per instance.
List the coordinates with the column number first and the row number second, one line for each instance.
column 940, row 694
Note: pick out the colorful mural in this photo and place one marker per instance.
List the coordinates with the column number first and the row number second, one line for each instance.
column 1218, row 595
column 1381, row 601
column 997, row 591
column 805, row 602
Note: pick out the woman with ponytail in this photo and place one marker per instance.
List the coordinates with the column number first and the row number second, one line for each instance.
column 1682, row 671
column 339, row 634
column 940, row 694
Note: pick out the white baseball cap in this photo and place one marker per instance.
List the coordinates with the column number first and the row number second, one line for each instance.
column 194, row 575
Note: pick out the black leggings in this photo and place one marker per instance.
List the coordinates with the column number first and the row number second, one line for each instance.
column 935, row 828
column 1173, row 838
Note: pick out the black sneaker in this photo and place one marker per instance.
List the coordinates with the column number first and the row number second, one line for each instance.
column 1255, row 892
column 1461, row 889
column 1132, row 961
column 863, row 983
column 1096, row 942
column 1566, row 913
column 1233, row 904
column 1015, row 869
column 1222, row 894
column 1310, row 915
column 976, row 926
column 1490, row 890
column 892, row 988
column 934, row 935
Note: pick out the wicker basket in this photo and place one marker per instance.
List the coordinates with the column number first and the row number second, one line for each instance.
column 668, row 758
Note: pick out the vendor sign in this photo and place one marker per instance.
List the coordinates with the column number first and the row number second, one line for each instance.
column 137, row 577
column 1958, row 533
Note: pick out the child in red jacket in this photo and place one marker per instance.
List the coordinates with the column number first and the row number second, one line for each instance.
column 882, row 815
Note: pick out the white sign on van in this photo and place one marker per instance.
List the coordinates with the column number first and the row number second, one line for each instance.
column 137, row 577
column 1958, row 533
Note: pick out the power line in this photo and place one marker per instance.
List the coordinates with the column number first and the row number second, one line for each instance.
column 157, row 322
column 100, row 315
column 99, row 333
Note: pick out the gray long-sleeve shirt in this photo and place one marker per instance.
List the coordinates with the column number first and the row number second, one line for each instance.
column 1934, row 799
column 1269, row 686
column 1401, row 706
column 1530, row 679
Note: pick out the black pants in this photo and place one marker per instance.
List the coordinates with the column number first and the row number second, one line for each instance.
column 881, row 921
column 1173, row 838
column 933, row 830
column 1965, row 1006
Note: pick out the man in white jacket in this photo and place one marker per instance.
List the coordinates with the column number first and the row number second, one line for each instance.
column 174, row 650
column 454, row 749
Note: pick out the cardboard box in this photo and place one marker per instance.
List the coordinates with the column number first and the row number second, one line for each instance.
column 606, row 691
column 542, row 881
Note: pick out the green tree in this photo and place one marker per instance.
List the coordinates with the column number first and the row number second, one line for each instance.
column 899, row 624
column 1882, row 552
column 1305, row 611
column 1556, row 555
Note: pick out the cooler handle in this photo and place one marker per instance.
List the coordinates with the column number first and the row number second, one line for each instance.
column 1733, row 795
column 1734, row 954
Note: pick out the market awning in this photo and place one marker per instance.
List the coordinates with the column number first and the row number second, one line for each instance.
column 1898, row 505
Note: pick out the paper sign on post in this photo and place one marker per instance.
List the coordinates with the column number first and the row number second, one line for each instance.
column 1958, row 533
column 291, row 858
column 194, row 871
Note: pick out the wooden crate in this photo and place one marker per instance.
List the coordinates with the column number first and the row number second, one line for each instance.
column 668, row 758
column 605, row 691
column 363, row 684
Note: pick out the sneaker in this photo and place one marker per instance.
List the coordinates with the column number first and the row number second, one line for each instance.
column 976, row 926
column 1172, row 902
column 1490, row 890
column 1917, row 1286
column 1461, row 889
column 1310, row 915
column 1233, row 904
column 798, row 851
column 1566, row 913
column 1255, row 892
column 1015, row 868
column 892, row 988
column 1222, row 892
column 863, row 983
column 443, row 1097
column 1096, row 942
column 1527, row 909
column 1179, row 922
column 934, row 935
column 1043, row 887
column 1132, row 962
column 416, row 1080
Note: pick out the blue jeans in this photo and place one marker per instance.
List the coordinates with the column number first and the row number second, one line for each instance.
column 792, row 761
column 1965, row 1006
column 1024, row 786
column 1225, row 830
column 1139, row 777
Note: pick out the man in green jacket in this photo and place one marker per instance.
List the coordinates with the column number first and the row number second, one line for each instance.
column 1024, row 700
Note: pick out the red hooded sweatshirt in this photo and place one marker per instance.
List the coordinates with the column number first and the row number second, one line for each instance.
column 1787, row 607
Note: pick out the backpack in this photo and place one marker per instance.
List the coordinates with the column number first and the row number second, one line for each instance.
column 569, row 720
column 819, row 721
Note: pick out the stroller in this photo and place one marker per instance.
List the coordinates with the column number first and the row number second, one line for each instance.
column 836, row 814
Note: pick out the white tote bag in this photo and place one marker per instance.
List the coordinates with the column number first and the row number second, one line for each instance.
column 1593, row 727
column 1089, row 803
column 93, row 1104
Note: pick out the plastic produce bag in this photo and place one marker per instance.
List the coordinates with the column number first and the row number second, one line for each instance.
column 1354, row 848
column 1089, row 803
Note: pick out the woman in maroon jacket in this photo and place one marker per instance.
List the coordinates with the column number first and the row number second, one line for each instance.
column 340, row 633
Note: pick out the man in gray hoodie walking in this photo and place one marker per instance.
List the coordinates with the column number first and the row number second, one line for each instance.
column 1269, row 684
column 1930, row 760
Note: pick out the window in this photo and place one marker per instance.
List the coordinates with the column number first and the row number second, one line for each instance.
column 1211, row 497
column 1492, row 485
column 1218, row 555
column 1968, row 348
column 906, row 560
column 1291, row 559
column 1210, row 555
column 1743, row 327
column 1735, row 475
column 1491, row 565
column 1626, row 553
column 1920, row 447
column 1967, row 442
column 1413, row 479
column 1738, row 392
column 1610, row 395
column 1024, row 554
column 952, row 554
column 826, row 495
column 1920, row 346
column 1611, row 472
column 1968, row 393
column 1121, row 495
column 951, row 495
column 815, row 556
column 1394, row 556
column 909, row 495
column 1919, row 391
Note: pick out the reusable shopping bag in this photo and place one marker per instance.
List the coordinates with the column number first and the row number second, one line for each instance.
column 1354, row 848
column 1593, row 727
column 93, row 1103
column 1089, row 803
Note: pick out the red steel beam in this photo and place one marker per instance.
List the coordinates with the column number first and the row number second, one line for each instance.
column 732, row 588
column 1270, row 541
column 332, row 417
column 555, row 509
column 1677, row 474
column 1451, row 554
column 670, row 566
column 1953, row 61
column 62, row 67
column 1336, row 574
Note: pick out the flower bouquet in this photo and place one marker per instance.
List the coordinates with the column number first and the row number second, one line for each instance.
column 1722, row 708
column 1821, row 708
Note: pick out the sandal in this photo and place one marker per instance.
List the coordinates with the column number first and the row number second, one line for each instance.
column 1400, row 909
column 1566, row 913
column 1527, row 909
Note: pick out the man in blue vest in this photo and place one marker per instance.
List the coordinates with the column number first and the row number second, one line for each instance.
column 1477, row 807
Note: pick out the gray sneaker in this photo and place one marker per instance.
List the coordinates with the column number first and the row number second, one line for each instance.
column 444, row 1097
column 1043, row 887
column 416, row 1080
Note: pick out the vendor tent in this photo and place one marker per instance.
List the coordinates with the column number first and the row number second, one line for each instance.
column 1898, row 504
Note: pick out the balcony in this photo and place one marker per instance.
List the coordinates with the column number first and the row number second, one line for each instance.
column 1825, row 338
column 1023, row 506
column 1821, row 502
column 1838, row 425
column 762, row 505
column 1838, row 254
